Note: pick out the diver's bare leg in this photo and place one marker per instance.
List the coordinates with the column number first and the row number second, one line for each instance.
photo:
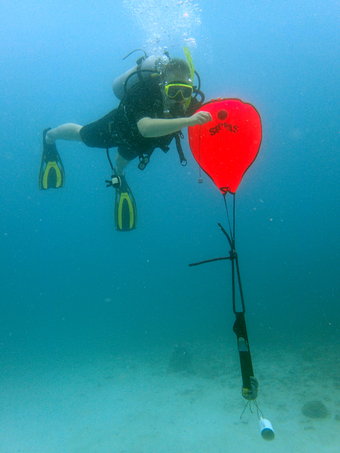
column 68, row 131
column 121, row 163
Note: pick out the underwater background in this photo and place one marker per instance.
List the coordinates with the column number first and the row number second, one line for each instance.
column 74, row 290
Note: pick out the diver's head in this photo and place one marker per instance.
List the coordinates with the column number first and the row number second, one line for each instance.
column 176, row 69
column 176, row 81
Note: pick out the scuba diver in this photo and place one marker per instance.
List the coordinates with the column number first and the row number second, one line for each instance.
column 157, row 99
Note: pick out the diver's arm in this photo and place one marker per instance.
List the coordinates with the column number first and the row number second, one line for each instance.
column 157, row 127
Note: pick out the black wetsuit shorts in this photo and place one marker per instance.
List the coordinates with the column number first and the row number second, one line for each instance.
column 103, row 133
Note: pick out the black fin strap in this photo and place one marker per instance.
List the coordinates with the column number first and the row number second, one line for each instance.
column 181, row 155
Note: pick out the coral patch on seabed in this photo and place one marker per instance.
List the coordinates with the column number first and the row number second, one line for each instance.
column 315, row 409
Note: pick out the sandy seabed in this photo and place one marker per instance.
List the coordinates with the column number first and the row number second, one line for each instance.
column 133, row 403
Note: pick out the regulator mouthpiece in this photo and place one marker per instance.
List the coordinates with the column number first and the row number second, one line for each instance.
column 266, row 429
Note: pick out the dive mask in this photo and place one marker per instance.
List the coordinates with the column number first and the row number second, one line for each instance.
column 178, row 91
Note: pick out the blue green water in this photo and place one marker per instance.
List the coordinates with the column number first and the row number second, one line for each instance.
column 70, row 282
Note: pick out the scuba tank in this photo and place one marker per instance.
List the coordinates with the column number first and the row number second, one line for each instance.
column 146, row 67
column 149, row 67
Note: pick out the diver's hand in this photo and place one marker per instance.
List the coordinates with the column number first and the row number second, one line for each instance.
column 199, row 118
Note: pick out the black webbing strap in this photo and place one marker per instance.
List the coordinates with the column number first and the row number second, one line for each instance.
column 249, row 383
column 144, row 158
column 239, row 328
column 181, row 155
